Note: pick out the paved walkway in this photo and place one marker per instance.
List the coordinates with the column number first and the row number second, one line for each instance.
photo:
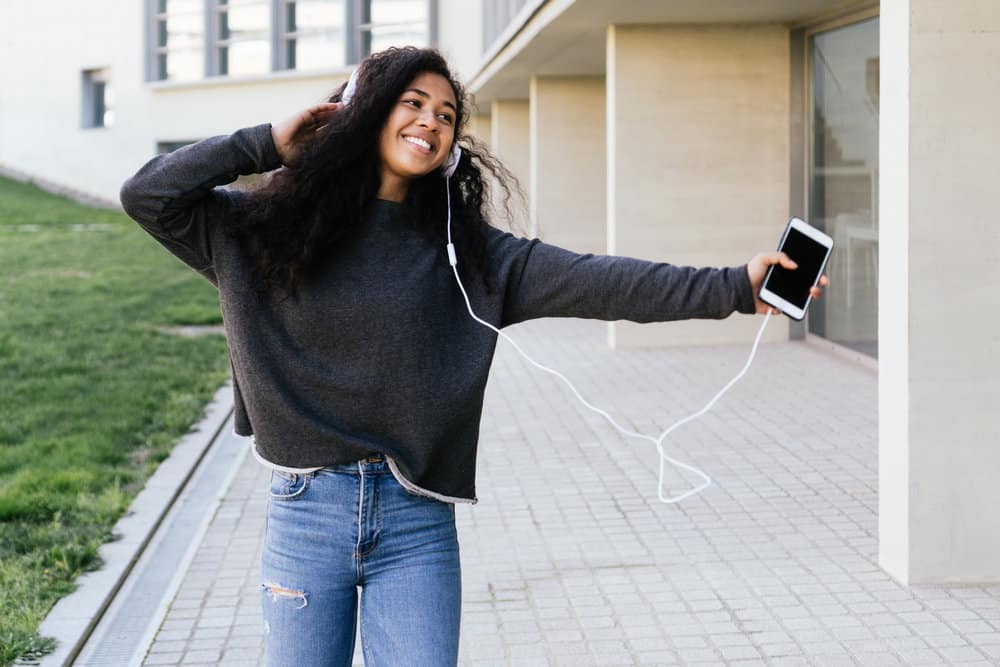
column 569, row 559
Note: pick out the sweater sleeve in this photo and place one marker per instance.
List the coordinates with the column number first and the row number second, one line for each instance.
column 543, row 280
column 175, row 196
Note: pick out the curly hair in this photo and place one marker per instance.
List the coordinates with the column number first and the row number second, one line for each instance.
column 300, row 211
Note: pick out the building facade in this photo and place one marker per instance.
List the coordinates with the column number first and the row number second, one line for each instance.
column 678, row 130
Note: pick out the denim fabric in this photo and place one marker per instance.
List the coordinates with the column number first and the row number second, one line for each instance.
column 348, row 534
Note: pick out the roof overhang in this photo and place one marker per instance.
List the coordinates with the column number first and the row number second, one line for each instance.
column 568, row 37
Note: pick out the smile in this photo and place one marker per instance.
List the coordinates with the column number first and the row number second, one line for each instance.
column 418, row 142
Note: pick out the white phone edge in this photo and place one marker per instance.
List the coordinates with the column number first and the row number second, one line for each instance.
column 772, row 299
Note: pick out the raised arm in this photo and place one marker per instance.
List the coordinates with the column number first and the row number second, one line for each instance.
column 175, row 196
column 547, row 281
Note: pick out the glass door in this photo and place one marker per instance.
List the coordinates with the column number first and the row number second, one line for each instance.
column 843, row 179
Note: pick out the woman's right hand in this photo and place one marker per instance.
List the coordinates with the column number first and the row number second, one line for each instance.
column 291, row 135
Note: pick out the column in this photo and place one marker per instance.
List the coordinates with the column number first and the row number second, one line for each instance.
column 510, row 121
column 568, row 162
column 939, row 268
column 697, row 132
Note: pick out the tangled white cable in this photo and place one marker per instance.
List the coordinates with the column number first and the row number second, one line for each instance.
column 453, row 260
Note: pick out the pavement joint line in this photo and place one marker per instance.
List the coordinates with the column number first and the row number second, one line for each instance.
column 73, row 618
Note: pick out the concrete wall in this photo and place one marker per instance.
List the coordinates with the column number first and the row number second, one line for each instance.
column 568, row 162
column 939, row 267
column 40, row 80
column 460, row 37
column 698, row 125
column 511, row 134
column 481, row 127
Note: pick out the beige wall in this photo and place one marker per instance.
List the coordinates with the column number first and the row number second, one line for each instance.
column 511, row 135
column 940, row 267
column 568, row 162
column 697, row 156
column 481, row 127
column 460, row 38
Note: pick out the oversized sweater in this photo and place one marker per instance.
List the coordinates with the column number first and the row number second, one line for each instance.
column 376, row 353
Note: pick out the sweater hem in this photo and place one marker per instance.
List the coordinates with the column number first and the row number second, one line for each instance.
column 421, row 491
column 274, row 466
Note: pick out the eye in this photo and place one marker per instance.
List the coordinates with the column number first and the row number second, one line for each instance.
column 446, row 118
column 415, row 103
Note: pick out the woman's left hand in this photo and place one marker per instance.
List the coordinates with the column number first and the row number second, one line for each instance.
column 757, row 269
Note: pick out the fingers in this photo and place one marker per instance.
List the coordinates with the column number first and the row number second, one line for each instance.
column 817, row 292
column 784, row 260
column 324, row 109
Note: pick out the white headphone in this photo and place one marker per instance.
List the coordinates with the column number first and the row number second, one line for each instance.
column 449, row 166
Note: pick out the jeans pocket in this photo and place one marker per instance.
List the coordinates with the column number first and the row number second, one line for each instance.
column 289, row 485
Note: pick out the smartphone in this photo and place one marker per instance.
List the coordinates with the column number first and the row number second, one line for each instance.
column 788, row 290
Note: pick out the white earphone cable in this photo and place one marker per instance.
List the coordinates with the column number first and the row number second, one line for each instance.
column 707, row 481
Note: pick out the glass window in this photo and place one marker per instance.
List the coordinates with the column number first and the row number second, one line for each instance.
column 843, row 180
column 179, row 49
column 243, row 40
column 315, row 34
column 245, row 37
column 98, row 99
column 386, row 23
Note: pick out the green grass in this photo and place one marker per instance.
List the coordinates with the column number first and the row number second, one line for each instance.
column 92, row 394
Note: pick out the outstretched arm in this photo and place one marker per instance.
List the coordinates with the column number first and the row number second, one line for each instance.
column 543, row 280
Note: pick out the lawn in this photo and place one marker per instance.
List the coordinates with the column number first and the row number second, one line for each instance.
column 93, row 393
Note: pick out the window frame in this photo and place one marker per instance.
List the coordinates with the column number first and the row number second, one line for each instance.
column 94, row 83
column 153, row 49
column 358, row 28
column 807, row 31
column 277, row 37
column 280, row 36
column 215, row 43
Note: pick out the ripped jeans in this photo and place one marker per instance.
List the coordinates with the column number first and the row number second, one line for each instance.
column 349, row 533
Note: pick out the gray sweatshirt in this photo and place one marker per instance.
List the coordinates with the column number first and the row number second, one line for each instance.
column 377, row 353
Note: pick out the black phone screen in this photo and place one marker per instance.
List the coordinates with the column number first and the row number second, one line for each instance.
column 793, row 286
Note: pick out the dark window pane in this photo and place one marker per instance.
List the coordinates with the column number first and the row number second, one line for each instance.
column 97, row 108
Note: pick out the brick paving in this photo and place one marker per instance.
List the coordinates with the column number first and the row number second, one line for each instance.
column 570, row 559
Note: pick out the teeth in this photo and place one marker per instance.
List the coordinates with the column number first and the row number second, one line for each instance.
column 417, row 141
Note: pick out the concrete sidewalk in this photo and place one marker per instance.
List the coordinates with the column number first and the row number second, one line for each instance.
column 569, row 559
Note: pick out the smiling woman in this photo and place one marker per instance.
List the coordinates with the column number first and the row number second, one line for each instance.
column 418, row 134
column 356, row 367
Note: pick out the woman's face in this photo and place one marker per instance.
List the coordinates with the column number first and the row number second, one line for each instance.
column 419, row 132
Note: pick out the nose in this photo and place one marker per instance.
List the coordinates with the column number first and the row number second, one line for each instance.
column 428, row 119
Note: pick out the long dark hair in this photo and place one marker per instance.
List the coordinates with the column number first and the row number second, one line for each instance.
column 300, row 211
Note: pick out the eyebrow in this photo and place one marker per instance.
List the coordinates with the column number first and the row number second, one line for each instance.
column 427, row 95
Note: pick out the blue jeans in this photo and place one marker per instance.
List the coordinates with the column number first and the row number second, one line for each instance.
column 348, row 531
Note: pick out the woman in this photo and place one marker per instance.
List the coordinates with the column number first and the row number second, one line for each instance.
column 355, row 364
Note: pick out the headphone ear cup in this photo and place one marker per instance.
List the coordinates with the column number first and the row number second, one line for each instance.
column 352, row 85
column 451, row 164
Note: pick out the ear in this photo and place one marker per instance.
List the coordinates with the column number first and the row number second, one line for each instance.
column 451, row 164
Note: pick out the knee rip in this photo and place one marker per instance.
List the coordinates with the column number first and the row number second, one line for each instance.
column 281, row 593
